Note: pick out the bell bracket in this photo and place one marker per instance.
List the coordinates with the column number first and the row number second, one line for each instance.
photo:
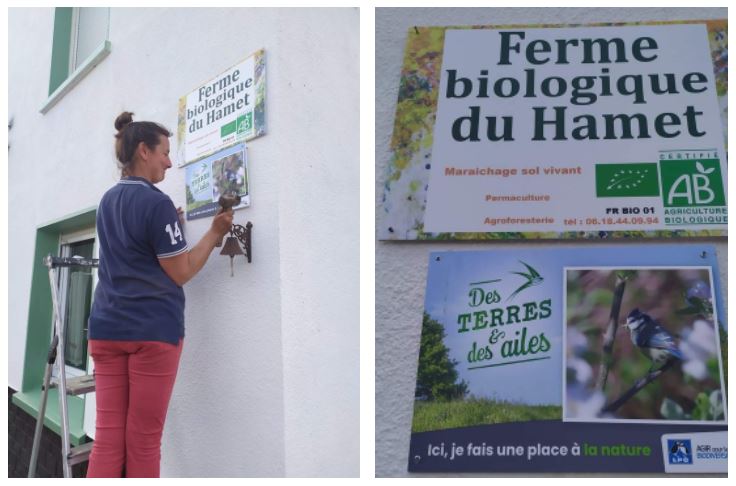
column 243, row 236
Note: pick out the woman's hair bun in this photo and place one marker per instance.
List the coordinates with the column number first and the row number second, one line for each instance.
column 123, row 120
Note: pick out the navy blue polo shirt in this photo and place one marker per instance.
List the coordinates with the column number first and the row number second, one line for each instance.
column 135, row 300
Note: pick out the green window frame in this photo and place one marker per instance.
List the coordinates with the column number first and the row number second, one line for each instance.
column 61, row 80
column 39, row 331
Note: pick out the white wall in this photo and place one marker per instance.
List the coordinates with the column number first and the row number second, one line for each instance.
column 401, row 267
column 268, row 381
column 319, row 247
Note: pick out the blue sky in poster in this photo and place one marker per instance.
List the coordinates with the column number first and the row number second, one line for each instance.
column 498, row 273
column 448, row 296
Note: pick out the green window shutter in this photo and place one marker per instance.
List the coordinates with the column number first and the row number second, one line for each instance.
column 61, row 47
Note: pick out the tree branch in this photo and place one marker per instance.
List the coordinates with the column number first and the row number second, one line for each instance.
column 650, row 377
column 610, row 336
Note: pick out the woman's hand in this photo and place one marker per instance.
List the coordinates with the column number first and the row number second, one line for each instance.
column 182, row 267
column 222, row 223
column 180, row 213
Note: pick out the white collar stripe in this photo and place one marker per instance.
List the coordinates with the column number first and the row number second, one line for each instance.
column 133, row 182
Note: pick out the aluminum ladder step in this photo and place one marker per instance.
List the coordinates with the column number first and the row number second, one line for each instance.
column 78, row 385
column 80, row 453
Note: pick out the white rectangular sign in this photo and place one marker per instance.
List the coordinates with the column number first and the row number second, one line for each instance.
column 577, row 129
column 228, row 109
column 697, row 452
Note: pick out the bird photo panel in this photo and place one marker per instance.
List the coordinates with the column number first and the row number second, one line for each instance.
column 642, row 344
column 571, row 360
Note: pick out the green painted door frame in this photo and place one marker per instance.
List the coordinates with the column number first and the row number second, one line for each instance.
column 39, row 332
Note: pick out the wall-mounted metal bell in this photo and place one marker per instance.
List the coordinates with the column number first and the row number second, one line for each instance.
column 227, row 201
column 239, row 235
column 231, row 248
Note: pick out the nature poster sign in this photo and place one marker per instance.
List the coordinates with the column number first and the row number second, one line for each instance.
column 572, row 360
column 225, row 172
column 228, row 109
column 591, row 131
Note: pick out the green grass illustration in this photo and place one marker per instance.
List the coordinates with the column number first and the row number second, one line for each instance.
column 438, row 415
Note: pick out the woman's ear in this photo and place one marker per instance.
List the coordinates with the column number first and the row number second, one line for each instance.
column 142, row 151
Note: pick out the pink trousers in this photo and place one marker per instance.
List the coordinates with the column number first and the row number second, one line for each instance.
column 133, row 384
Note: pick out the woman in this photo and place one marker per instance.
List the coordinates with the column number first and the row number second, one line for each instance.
column 136, row 325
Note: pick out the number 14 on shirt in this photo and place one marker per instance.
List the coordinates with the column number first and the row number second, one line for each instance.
column 175, row 233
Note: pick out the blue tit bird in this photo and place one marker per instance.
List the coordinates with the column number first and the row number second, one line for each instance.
column 651, row 338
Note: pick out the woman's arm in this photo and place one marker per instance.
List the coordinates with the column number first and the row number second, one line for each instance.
column 181, row 268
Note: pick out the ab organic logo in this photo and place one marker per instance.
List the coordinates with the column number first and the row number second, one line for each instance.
column 245, row 123
column 688, row 183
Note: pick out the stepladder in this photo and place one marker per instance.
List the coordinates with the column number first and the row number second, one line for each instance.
column 66, row 387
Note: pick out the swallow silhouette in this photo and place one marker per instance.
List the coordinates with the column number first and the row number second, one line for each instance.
column 532, row 278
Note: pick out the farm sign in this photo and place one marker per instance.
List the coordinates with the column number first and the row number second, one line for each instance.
column 560, row 132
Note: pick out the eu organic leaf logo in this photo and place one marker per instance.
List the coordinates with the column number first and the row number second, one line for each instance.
column 627, row 179
column 702, row 169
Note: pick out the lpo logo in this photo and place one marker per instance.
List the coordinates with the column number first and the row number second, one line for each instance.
column 692, row 183
column 680, row 451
